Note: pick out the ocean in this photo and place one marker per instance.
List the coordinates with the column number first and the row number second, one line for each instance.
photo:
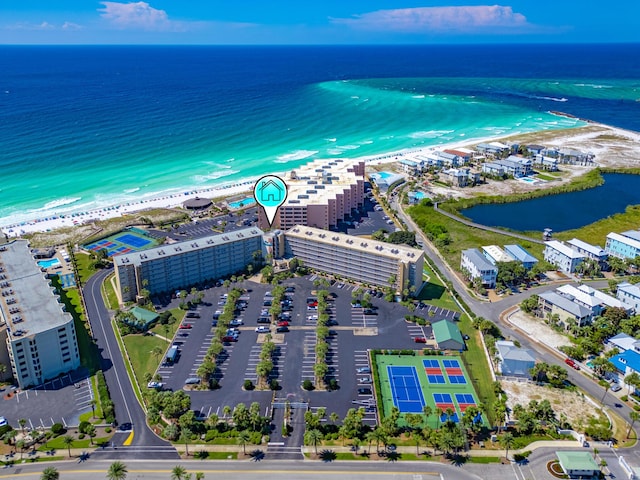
column 83, row 127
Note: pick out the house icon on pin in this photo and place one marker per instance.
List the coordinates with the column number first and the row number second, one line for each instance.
column 270, row 192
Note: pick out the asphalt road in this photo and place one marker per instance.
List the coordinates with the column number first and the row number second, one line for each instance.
column 127, row 408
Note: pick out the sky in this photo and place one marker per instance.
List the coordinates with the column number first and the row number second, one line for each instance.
column 317, row 21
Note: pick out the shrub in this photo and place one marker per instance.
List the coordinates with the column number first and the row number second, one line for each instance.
column 57, row 428
column 107, row 430
column 248, row 385
column 274, row 385
column 624, row 398
column 82, row 428
column 4, row 429
column 332, row 384
column 307, row 385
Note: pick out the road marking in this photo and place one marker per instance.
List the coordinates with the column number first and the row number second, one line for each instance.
column 129, row 439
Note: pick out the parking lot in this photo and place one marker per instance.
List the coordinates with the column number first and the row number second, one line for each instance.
column 63, row 398
column 353, row 332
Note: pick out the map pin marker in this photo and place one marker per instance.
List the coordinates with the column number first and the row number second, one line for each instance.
column 270, row 192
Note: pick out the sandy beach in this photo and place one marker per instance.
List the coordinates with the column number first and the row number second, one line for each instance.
column 612, row 147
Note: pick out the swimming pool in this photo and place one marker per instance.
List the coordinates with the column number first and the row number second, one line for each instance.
column 48, row 263
column 384, row 175
column 245, row 202
column 418, row 195
column 528, row 180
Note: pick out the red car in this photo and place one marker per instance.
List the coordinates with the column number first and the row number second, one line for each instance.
column 229, row 338
column 420, row 339
column 185, row 326
column 283, row 323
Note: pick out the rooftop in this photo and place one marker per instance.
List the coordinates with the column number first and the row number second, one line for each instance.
column 624, row 238
column 445, row 330
column 137, row 258
column 30, row 305
column 319, row 180
column 565, row 304
column 592, row 249
column 508, row 351
column 400, row 252
column 630, row 359
column 520, row 254
column 478, row 259
column 590, row 296
column 497, row 253
column 576, row 461
column 563, row 249
column 629, row 288
column 635, row 234
column 622, row 341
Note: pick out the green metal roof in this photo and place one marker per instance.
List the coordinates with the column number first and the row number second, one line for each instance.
column 143, row 315
column 576, row 461
column 444, row 330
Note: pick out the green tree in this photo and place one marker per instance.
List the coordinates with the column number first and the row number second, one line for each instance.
column 178, row 472
column 243, row 439
column 117, row 471
column 91, row 431
column 50, row 473
column 313, row 437
column 67, row 441
column 606, row 385
column 634, row 416
column 185, row 436
column 157, row 352
column 22, row 422
column 507, row 441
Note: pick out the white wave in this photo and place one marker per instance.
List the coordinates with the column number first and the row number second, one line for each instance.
column 334, row 151
column 229, row 160
column 355, row 97
column 417, row 96
column 214, row 175
column 592, row 85
column 462, row 135
column 331, row 139
column 429, row 134
column 297, row 155
column 59, row 203
column 553, row 99
column 366, row 142
column 131, row 190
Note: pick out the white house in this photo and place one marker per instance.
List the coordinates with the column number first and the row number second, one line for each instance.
column 563, row 257
column 594, row 252
column 495, row 254
column 629, row 294
column 514, row 361
column 476, row 265
column 593, row 299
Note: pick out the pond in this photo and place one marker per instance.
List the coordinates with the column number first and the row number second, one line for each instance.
column 564, row 211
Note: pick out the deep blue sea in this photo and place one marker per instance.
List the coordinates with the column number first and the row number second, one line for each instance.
column 89, row 126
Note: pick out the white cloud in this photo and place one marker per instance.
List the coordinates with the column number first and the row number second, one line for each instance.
column 70, row 26
column 31, row 26
column 455, row 20
column 138, row 15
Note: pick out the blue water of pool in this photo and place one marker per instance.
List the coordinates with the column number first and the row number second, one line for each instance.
column 418, row 195
column 384, row 174
column 48, row 263
column 245, row 202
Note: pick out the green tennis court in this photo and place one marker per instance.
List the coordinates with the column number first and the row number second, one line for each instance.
column 412, row 382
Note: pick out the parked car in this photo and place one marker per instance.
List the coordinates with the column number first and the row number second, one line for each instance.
column 420, row 339
column 235, row 322
column 365, row 380
column 363, row 370
column 616, row 387
column 192, row 315
column 572, row 363
column 364, row 391
column 156, row 385
column 229, row 338
column 264, row 320
column 192, row 381
column 283, row 323
column 262, row 329
column 282, row 329
column 185, row 326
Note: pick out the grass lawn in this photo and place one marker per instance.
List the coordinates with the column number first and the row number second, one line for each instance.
column 109, row 294
column 139, row 348
column 85, row 268
column 543, row 176
column 483, row 459
column 463, row 237
column 223, row 456
column 169, row 331
column 56, row 443
column 89, row 355
column 435, row 293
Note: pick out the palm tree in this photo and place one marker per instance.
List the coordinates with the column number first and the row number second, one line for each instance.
column 439, row 415
column 22, row 422
column 178, row 472
column 3, row 370
column 379, row 436
column 50, row 473
column 606, row 385
column 427, row 411
column 243, row 439
column 117, row 471
column 313, row 437
column 156, row 352
column 370, row 437
column 20, row 444
column 91, row 431
column 334, row 417
column 226, row 411
column 185, row 436
column 199, row 475
column 67, row 441
column 93, row 403
column 634, row 416
column 507, row 442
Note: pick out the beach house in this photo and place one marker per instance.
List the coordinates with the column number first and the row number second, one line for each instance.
column 623, row 245
column 457, row 177
column 495, row 254
column 492, row 148
column 464, row 155
column 565, row 258
column 475, row 265
column 594, row 252
column 552, row 303
column 593, row 299
column 629, row 294
column 494, row 169
column 521, row 255
column 626, row 363
column 549, row 164
column 514, row 361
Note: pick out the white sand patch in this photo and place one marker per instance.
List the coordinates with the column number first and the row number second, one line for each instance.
column 537, row 330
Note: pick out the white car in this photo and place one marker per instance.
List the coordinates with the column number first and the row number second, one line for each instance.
column 263, row 329
column 156, row 385
column 3, row 422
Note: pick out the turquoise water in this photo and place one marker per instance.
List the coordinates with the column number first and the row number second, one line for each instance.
column 48, row 263
column 243, row 203
column 419, row 195
column 384, row 175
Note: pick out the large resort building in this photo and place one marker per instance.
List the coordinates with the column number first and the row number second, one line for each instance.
column 39, row 336
column 360, row 259
column 320, row 194
column 184, row 264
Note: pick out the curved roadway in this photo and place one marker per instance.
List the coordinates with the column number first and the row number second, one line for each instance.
column 142, row 442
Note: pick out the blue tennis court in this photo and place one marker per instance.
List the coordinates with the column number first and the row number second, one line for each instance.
column 133, row 240
column 431, row 363
column 457, row 379
column 436, row 379
column 465, row 399
column 451, row 363
column 406, row 392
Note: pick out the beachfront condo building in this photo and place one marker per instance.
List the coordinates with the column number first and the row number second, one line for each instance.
column 475, row 265
column 565, row 258
column 623, row 245
column 38, row 335
column 320, row 194
column 184, row 264
column 359, row 259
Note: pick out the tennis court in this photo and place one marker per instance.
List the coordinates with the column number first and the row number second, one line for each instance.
column 412, row 382
column 123, row 242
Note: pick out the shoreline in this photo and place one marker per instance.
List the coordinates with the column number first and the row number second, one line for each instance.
column 173, row 200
